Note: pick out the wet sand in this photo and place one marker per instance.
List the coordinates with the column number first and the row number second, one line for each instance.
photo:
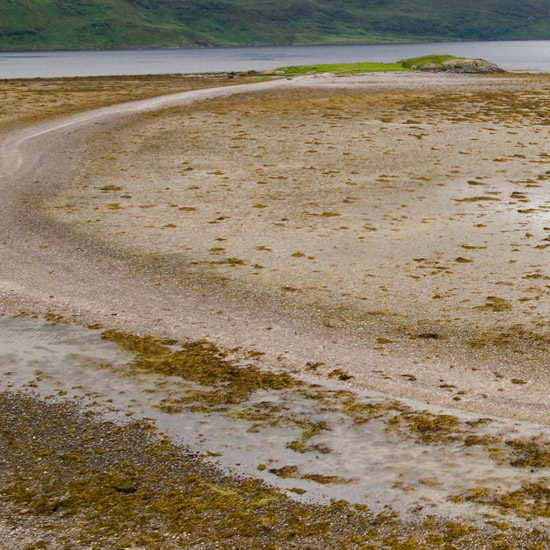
column 182, row 445
column 388, row 231
column 408, row 243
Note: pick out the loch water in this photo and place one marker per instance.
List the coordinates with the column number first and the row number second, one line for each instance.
column 525, row 56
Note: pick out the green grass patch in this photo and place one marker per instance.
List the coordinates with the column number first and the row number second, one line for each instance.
column 437, row 60
column 343, row 68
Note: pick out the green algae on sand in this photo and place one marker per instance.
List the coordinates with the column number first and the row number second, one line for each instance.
column 81, row 483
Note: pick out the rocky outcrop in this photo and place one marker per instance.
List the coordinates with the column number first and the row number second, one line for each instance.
column 461, row 65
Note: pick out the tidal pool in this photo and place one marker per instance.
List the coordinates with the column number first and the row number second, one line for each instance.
column 315, row 442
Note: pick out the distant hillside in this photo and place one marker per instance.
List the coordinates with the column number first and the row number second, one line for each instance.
column 41, row 24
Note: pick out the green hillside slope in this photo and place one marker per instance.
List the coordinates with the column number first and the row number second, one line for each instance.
column 36, row 24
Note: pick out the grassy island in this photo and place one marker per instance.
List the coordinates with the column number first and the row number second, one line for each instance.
column 428, row 63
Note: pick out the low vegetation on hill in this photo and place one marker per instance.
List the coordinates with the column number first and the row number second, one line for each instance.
column 42, row 24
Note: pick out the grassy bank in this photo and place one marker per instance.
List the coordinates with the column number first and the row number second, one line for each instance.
column 432, row 62
column 342, row 68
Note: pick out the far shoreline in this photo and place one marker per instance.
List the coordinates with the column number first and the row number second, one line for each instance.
column 244, row 46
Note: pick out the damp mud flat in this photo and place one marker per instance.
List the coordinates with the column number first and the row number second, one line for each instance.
column 364, row 255
column 393, row 226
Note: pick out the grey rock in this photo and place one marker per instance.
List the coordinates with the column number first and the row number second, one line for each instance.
column 474, row 66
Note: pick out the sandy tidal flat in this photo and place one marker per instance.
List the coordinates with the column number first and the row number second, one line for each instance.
column 367, row 253
column 408, row 210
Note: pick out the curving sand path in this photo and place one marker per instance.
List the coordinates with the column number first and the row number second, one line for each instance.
column 48, row 266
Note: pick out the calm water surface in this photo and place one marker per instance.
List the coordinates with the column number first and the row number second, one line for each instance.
column 514, row 56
